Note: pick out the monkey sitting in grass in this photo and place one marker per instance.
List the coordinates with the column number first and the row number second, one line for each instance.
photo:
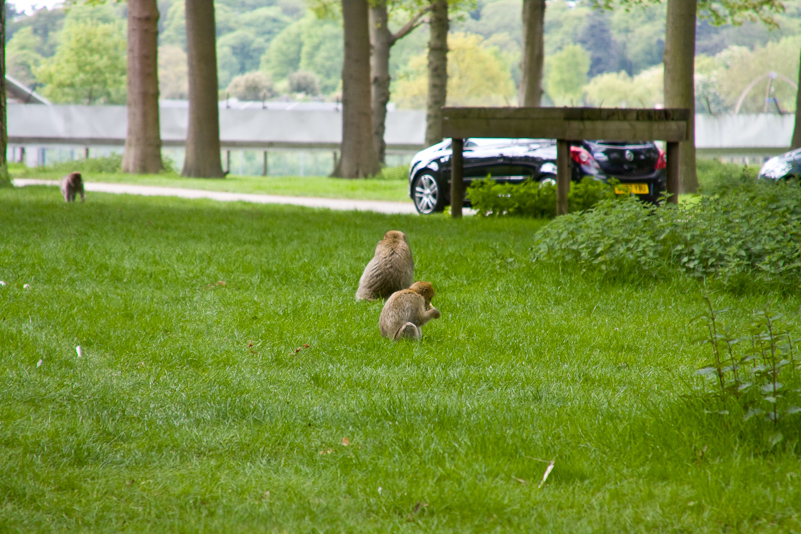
column 72, row 185
column 390, row 270
column 406, row 311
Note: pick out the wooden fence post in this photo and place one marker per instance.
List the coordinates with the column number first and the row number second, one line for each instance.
column 562, row 175
column 672, row 155
column 457, row 178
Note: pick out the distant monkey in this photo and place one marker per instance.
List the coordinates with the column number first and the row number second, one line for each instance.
column 406, row 311
column 390, row 270
column 72, row 185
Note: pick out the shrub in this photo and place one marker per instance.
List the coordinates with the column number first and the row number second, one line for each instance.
column 304, row 82
column 251, row 86
column 715, row 176
column 749, row 236
column 533, row 199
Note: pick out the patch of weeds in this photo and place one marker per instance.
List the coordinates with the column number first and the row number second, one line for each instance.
column 105, row 164
column 756, row 372
column 747, row 239
column 714, row 176
column 534, row 199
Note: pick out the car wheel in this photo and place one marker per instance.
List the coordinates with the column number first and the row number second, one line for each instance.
column 428, row 194
column 549, row 179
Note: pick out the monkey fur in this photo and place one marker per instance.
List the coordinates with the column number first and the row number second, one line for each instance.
column 406, row 311
column 72, row 185
column 390, row 270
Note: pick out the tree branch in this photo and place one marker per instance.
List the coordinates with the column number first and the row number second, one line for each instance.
column 415, row 21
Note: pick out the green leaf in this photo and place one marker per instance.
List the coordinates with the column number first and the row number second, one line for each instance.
column 706, row 371
column 752, row 413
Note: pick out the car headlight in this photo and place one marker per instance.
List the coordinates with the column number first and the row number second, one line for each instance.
column 775, row 168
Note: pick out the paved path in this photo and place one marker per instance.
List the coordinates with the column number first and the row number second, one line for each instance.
column 311, row 202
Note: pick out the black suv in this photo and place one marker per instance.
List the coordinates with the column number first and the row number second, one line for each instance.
column 638, row 167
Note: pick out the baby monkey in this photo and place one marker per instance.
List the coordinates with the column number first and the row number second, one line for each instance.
column 72, row 185
column 406, row 311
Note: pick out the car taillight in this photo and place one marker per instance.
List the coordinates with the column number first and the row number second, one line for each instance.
column 581, row 156
column 661, row 163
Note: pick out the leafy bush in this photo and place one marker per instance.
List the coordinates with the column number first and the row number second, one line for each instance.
column 743, row 237
column 533, row 199
column 715, row 176
column 251, row 86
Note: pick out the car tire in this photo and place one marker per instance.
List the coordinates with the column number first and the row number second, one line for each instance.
column 428, row 194
column 547, row 179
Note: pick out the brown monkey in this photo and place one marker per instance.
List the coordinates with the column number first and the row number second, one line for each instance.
column 390, row 270
column 406, row 311
column 72, row 185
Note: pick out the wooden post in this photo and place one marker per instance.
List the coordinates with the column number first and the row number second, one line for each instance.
column 86, row 152
column 228, row 161
column 264, row 172
column 457, row 178
column 672, row 156
column 562, row 175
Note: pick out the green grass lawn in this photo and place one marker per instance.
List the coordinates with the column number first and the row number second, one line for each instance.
column 229, row 382
column 394, row 188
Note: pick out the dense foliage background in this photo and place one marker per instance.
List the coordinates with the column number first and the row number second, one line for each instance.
column 604, row 57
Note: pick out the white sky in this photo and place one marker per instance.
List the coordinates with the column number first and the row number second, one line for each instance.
column 28, row 5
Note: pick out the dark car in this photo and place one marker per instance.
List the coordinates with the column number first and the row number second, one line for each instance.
column 638, row 167
column 783, row 167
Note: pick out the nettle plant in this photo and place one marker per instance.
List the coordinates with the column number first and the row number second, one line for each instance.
column 758, row 371
column 535, row 199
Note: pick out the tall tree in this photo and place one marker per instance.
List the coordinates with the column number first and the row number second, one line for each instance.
column 679, row 56
column 437, row 70
column 679, row 60
column 5, row 179
column 382, row 39
column 796, row 142
column 202, row 159
column 533, row 53
column 143, row 140
column 358, row 156
column 89, row 64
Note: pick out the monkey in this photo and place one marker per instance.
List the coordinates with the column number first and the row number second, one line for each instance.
column 406, row 311
column 390, row 270
column 72, row 185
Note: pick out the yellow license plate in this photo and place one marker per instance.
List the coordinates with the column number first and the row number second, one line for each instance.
column 631, row 189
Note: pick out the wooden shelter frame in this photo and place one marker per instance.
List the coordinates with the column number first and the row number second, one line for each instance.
column 564, row 125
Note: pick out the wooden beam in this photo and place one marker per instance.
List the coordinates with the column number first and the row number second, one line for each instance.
column 457, row 178
column 562, row 175
column 567, row 123
column 672, row 171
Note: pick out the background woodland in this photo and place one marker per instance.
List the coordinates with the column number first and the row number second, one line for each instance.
column 291, row 50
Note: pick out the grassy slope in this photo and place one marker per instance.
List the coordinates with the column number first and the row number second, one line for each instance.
column 191, row 410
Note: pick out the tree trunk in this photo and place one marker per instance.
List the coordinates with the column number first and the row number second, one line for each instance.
column 437, row 70
column 143, row 141
column 381, row 40
column 5, row 179
column 533, row 53
column 679, row 58
column 358, row 155
column 202, row 158
column 796, row 142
